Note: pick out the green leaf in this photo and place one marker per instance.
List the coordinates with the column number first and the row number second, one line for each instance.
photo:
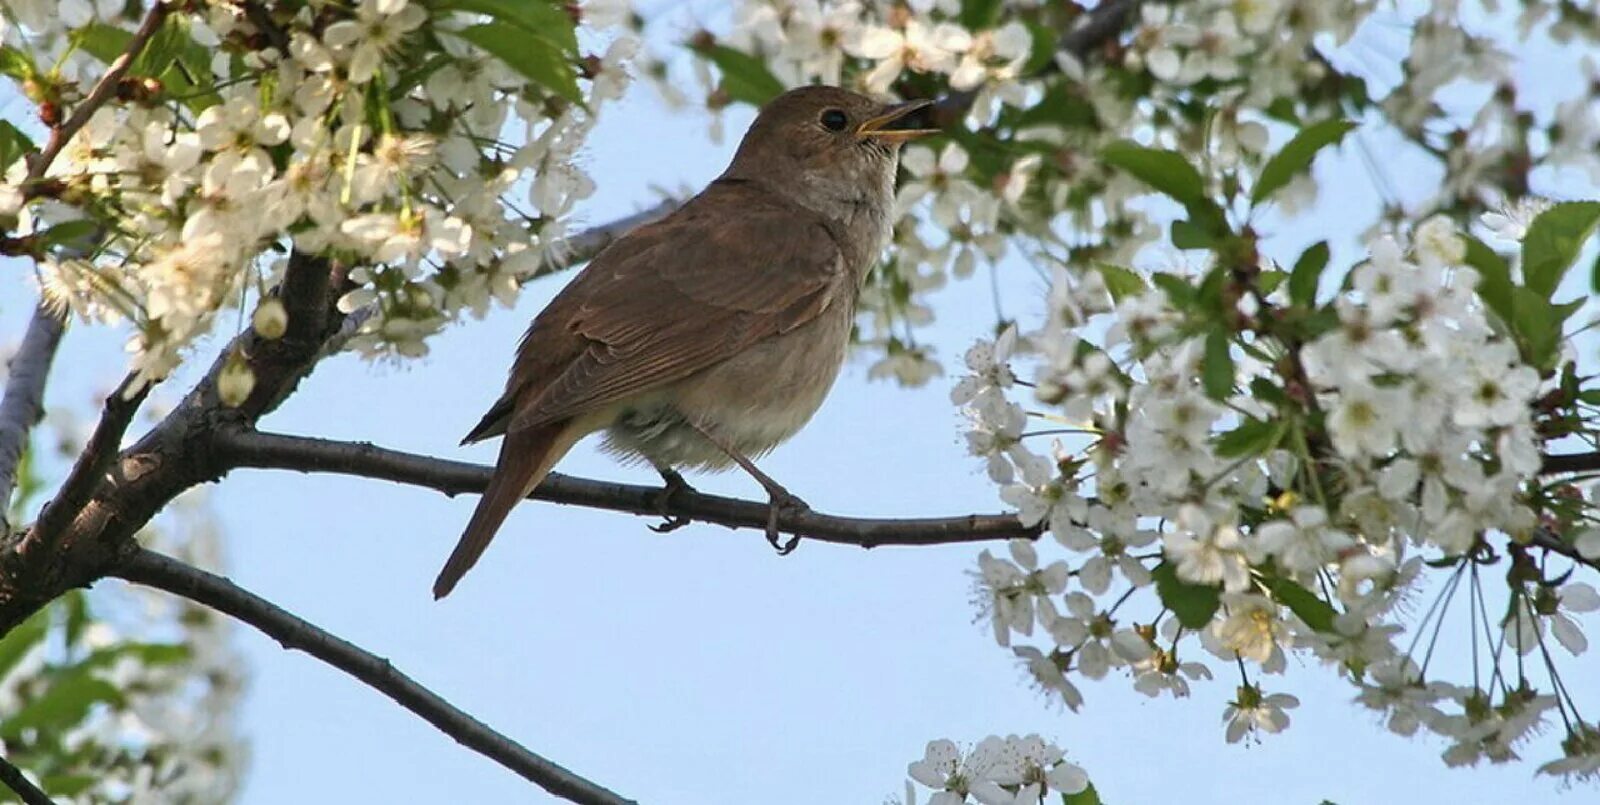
column 1494, row 278
column 1307, row 274
column 68, row 785
column 17, row 64
column 63, row 705
column 1121, row 282
column 1252, row 438
column 1268, row 392
column 69, row 233
column 1216, row 368
column 1178, row 290
column 977, row 15
column 1317, row 613
column 537, row 17
column 1041, row 48
column 102, row 41
column 1166, row 171
column 1553, row 241
column 537, row 58
column 744, row 77
column 1296, row 156
column 1087, row 796
column 16, row 645
column 1538, row 323
column 1194, row 604
column 77, row 604
column 13, row 144
column 1189, row 235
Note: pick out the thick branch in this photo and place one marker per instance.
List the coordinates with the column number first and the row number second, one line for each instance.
column 274, row 451
column 163, row 572
column 177, row 453
column 23, row 404
column 20, row 785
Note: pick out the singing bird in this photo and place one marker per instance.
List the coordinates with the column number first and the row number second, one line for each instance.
column 712, row 335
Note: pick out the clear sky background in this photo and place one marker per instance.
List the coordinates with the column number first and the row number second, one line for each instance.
column 698, row 667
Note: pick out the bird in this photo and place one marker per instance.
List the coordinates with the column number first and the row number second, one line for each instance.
column 708, row 337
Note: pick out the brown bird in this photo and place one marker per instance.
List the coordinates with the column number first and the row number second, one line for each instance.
column 712, row 335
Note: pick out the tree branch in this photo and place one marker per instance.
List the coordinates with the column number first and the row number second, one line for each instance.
column 23, row 404
column 1570, row 462
column 39, row 564
column 165, row 573
column 103, row 91
column 20, row 785
column 91, row 465
column 240, row 448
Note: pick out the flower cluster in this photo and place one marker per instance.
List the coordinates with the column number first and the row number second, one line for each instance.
column 1218, row 76
column 328, row 141
column 1276, row 481
column 1013, row 770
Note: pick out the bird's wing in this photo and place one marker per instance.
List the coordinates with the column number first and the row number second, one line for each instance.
column 728, row 270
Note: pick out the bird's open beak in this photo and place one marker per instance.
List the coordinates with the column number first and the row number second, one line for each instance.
column 899, row 123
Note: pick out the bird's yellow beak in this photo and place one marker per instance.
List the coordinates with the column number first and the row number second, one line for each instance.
column 898, row 123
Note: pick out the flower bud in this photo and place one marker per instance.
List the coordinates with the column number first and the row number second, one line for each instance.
column 235, row 381
column 270, row 320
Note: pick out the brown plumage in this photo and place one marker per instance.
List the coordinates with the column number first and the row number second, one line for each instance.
column 726, row 322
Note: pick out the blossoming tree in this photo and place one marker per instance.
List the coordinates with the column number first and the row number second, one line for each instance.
column 1219, row 447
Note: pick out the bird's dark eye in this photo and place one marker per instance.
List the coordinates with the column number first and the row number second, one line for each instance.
column 834, row 120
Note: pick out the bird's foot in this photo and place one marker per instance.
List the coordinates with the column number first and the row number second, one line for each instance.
column 782, row 501
column 672, row 486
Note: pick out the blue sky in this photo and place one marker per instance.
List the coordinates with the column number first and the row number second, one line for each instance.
column 698, row 667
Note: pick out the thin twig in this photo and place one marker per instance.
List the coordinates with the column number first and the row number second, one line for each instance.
column 20, row 785
column 241, row 448
column 166, row 573
column 1570, row 462
column 23, row 404
column 103, row 91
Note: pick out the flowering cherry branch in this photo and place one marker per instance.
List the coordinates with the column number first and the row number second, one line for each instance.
column 103, row 91
column 163, row 572
column 21, row 406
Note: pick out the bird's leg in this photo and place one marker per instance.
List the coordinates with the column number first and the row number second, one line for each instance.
column 672, row 485
column 778, row 498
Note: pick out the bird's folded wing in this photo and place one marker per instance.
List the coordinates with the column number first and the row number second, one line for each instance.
column 674, row 298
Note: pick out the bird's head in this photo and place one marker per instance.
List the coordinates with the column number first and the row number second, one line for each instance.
column 828, row 139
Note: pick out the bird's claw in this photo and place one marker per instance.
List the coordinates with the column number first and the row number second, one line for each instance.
column 781, row 500
column 673, row 486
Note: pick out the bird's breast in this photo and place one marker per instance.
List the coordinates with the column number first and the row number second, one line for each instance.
column 754, row 400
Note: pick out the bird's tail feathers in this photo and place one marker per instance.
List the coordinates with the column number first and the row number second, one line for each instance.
column 526, row 457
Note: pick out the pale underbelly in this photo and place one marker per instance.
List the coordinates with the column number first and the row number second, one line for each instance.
column 752, row 402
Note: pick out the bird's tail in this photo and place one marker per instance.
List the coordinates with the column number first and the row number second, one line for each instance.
column 526, row 457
